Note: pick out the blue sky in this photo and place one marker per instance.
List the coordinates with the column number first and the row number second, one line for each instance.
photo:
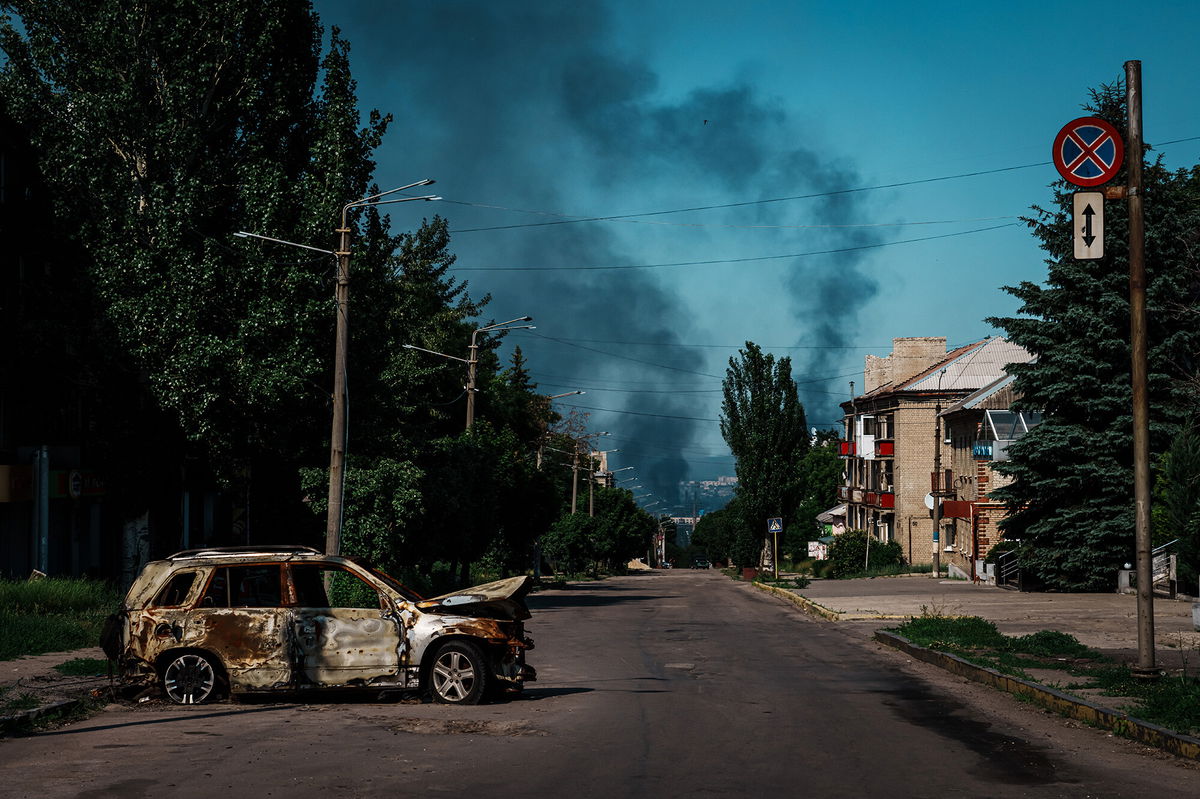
column 533, row 113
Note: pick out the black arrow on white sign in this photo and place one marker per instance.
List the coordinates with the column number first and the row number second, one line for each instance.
column 1088, row 213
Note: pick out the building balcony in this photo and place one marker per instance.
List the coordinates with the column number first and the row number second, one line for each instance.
column 880, row 499
column 843, row 493
column 885, row 448
column 846, row 449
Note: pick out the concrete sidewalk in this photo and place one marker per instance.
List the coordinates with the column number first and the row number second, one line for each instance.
column 1106, row 622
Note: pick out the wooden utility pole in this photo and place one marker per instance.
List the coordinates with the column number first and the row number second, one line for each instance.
column 1137, row 342
column 337, row 437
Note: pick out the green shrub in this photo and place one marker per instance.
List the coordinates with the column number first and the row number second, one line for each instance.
column 967, row 632
column 848, row 554
column 1050, row 643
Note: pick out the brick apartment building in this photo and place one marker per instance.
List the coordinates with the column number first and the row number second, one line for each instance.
column 979, row 428
column 892, row 431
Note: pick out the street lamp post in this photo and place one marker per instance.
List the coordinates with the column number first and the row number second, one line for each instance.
column 592, row 480
column 339, row 432
column 575, row 467
column 473, row 359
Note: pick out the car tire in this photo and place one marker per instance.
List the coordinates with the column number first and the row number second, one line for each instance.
column 459, row 674
column 190, row 678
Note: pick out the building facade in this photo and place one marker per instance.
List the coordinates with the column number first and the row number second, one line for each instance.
column 979, row 428
column 894, row 442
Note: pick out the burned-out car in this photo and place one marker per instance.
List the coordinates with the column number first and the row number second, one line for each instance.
column 256, row 620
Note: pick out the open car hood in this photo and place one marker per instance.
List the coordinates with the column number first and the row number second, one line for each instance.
column 503, row 599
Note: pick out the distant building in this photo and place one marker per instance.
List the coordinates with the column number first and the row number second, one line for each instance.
column 892, row 434
column 706, row 494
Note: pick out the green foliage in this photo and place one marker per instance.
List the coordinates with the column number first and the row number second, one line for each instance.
column 83, row 667
column 1176, row 505
column 966, row 632
column 716, row 532
column 763, row 422
column 57, row 595
column 1071, row 503
column 163, row 127
column 848, row 554
column 568, row 544
column 52, row 615
column 1051, row 643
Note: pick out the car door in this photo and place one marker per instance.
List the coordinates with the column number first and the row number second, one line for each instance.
column 241, row 618
column 347, row 632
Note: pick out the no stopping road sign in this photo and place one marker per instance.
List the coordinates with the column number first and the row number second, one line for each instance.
column 1088, row 151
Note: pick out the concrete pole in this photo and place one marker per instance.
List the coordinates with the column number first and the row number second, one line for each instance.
column 1141, row 404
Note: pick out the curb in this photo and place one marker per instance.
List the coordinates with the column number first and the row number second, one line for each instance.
column 823, row 612
column 1080, row 709
column 63, row 706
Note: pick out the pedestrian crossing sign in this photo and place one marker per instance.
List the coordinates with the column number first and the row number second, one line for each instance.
column 775, row 525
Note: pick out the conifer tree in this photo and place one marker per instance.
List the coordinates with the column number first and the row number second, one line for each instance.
column 1071, row 504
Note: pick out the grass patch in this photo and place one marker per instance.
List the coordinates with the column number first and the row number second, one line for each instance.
column 83, row 667
column 1173, row 702
column 52, row 615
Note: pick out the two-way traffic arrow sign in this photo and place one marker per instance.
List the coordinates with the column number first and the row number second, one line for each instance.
column 1088, row 209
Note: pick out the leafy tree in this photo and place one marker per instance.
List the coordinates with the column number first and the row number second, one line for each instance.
column 622, row 530
column 820, row 474
column 1176, row 507
column 1071, row 503
column 764, row 425
column 716, row 532
column 568, row 544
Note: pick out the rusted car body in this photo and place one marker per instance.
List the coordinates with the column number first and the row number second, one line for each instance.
column 203, row 622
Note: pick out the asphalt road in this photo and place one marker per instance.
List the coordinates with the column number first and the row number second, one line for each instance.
column 663, row 684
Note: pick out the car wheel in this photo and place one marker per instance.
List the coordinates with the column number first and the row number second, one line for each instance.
column 459, row 674
column 190, row 678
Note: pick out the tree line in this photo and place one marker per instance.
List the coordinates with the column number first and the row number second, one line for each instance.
column 200, row 360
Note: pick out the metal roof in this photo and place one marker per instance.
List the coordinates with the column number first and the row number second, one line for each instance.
column 968, row 368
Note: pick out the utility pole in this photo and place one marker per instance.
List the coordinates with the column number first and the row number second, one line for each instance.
column 936, row 484
column 1141, row 405
column 574, row 477
column 472, row 361
column 337, row 438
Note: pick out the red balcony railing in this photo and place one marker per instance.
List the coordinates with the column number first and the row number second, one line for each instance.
column 885, row 448
column 887, row 500
column 846, row 449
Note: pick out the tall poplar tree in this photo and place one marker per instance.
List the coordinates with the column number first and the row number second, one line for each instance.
column 1071, row 503
column 763, row 422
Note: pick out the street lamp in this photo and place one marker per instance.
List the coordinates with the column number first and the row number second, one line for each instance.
column 474, row 359
column 575, row 467
column 340, row 432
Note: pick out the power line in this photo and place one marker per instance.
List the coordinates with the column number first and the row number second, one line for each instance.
column 746, row 203
column 566, row 219
column 641, row 413
column 712, row 262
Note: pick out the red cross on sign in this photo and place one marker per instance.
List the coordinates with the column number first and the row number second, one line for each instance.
column 1088, row 151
